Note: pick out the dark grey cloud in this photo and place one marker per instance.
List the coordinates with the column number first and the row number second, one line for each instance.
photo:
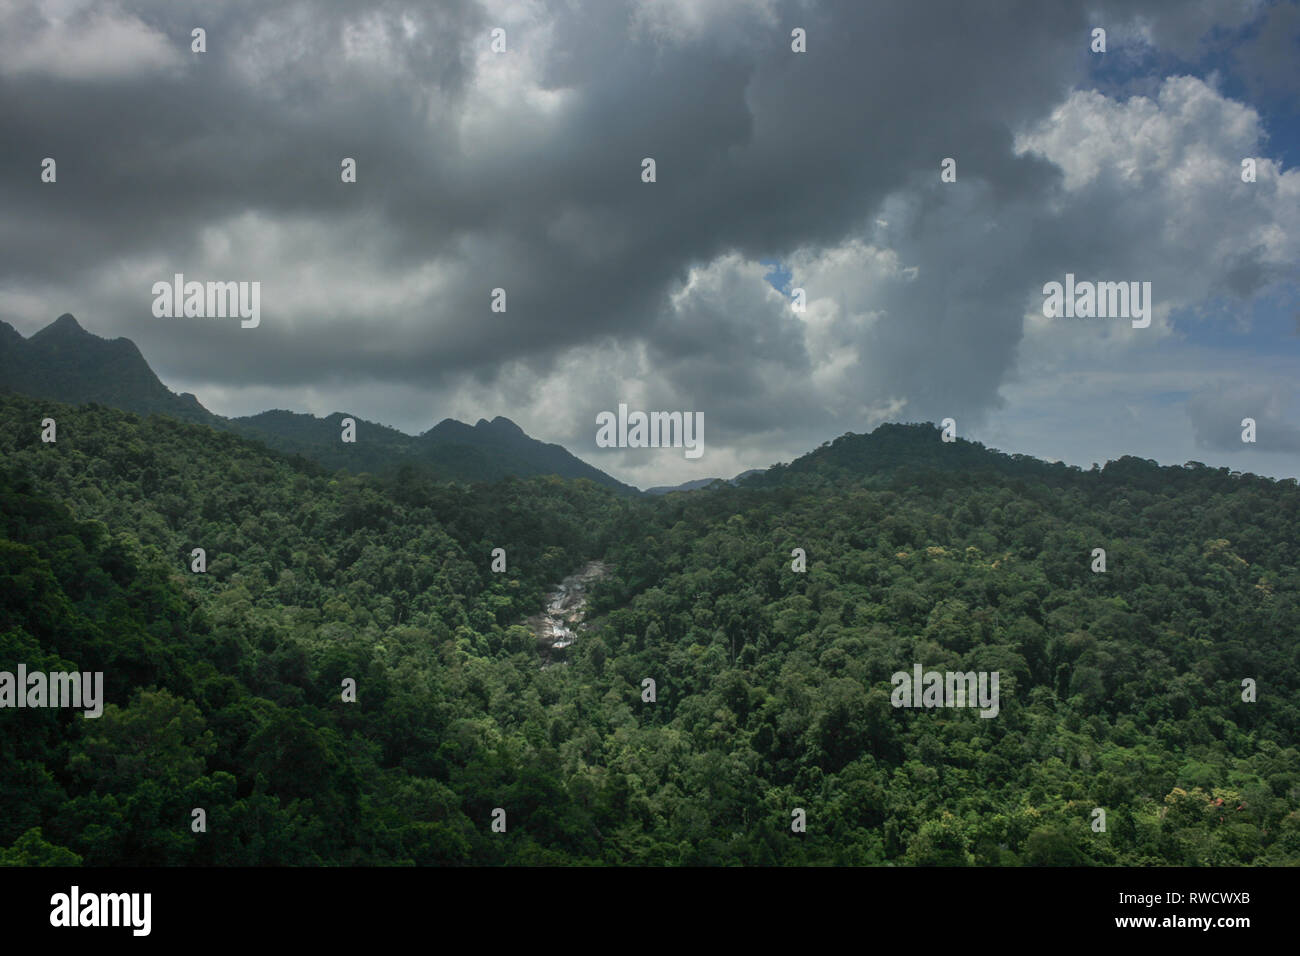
column 523, row 171
column 1217, row 413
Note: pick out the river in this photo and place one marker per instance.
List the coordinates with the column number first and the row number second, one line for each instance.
column 557, row 628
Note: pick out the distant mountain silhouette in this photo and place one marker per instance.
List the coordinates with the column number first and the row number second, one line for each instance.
column 893, row 448
column 451, row 450
column 699, row 483
column 65, row 363
column 915, row 454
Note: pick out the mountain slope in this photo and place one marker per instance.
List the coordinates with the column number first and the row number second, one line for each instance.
column 65, row 363
column 1121, row 690
column 499, row 442
column 450, row 451
column 898, row 456
column 308, row 576
column 699, row 483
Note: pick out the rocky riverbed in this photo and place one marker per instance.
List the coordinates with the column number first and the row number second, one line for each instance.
column 557, row 628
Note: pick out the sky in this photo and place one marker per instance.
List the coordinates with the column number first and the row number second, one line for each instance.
column 775, row 170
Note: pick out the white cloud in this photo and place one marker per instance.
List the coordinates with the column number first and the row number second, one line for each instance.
column 77, row 42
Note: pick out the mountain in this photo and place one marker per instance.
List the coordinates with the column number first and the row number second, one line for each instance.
column 500, row 445
column 450, row 451
column 63, row 362
column 1120, row 685
column 699, row 483
column 1121, row 609
column 377, row 447
column 902, row 456
column 909, row 449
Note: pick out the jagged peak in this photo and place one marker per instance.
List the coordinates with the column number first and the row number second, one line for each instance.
column 500, row 424
column 66, row 324
column 449, row 426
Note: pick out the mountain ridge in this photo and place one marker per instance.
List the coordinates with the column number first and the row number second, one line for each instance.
column 64, row 362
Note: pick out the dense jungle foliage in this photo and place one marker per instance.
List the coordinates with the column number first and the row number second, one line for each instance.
column 1121, row 691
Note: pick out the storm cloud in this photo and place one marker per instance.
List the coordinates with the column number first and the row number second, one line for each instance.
column 521, row 170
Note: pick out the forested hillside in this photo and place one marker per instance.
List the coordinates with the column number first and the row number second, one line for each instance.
column 1119, row 690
